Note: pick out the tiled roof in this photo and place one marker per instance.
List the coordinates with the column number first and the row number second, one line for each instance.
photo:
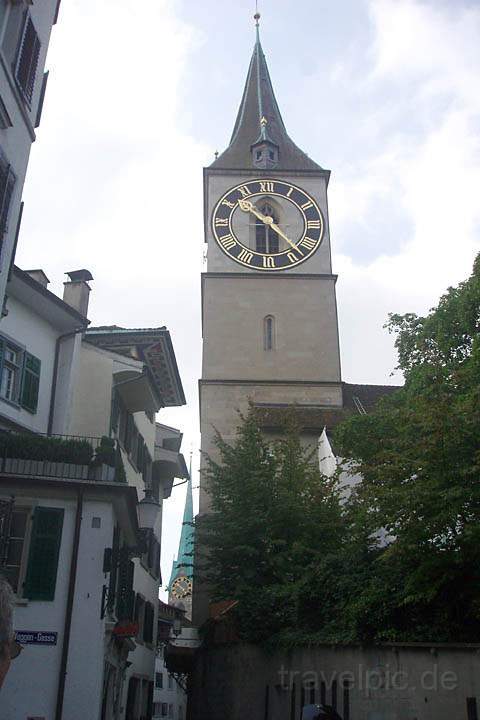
column 356, row 398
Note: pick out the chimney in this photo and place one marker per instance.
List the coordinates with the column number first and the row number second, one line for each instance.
column 39, row 276
column 77, row 290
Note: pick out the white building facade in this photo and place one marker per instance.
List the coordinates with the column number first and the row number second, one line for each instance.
column 25, row 29
column 77, row 428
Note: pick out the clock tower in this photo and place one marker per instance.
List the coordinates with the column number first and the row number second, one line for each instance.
column 269, row 315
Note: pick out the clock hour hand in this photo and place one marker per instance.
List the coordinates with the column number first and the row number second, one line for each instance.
column 248, row 206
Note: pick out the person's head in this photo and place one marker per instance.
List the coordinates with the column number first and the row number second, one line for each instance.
column 7, row 644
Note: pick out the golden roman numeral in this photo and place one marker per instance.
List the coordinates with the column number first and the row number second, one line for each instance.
column 308, row 242
column 290, row 192
column 306, row 205
column 313, row 224
column 228, row 204
column 244, row 191
column 266, row 186
column 292, row 257
column 227, row 241
column 245, row 256
column 268, row 262
column 221, row 222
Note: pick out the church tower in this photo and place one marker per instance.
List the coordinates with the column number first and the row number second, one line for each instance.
column 270, row 329
column 269, row 315
column 181, row 578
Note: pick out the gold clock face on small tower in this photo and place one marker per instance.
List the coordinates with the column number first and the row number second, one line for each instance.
column 181, row 587
column 267, row 224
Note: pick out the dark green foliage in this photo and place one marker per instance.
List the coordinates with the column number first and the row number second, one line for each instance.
column 39, row 447
column 419, row 456
column 275, row 519
column 305, row 568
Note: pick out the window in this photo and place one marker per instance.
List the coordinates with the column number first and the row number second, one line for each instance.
column 42, row 565
column 151, row 556
column 139, row 615
column 126, row 600
column 170, row 710
column 170, row 682
column 10, row 382
column 269, row 333
column 159, row 680
column 164, row 712
column 472, row 712
column 19, row 376
column 7, row 184
column 14, row 532
column 27, row 61
column 149, row 617
column 30, row 383
column 266, row 239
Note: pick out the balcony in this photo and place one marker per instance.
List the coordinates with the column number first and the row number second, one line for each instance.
column 65, row 457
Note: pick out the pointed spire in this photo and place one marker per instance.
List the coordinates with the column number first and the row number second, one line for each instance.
column 259, row 137
column 183, row 565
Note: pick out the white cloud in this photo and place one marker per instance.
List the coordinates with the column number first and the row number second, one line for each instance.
column 432, row 174
column 114, row 182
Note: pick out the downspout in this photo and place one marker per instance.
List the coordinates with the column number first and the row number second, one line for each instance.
column 53, row 393
column 62, row 676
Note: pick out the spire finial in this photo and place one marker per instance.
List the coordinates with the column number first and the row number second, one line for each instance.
column 257, row 16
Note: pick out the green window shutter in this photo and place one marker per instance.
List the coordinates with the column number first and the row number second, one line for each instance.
column 30, row 383
column 42, row 565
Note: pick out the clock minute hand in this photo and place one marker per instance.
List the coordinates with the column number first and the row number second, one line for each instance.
column 276, row 229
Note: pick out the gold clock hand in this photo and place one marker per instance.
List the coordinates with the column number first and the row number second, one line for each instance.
column 275, row 227
column 248, row 206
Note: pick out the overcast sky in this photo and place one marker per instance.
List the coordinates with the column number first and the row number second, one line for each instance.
column 384, row 93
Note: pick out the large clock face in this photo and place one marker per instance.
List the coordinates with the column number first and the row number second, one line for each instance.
column 267, row 224
column 181, row 587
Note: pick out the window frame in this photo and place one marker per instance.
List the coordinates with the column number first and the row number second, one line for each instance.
column 8, row 180
column 26, row 85
column 264, row 235
column 269, row 333
column 22, row 568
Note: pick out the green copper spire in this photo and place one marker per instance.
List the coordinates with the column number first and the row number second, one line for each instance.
column 183, row 565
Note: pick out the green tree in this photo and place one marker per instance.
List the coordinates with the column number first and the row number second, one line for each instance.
column 274, row 516
column 419, row 457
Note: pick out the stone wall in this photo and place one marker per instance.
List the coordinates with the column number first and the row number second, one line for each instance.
column 395, row 682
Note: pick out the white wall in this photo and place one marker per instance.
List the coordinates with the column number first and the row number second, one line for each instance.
column 83, row 691
column 39, row 338
column 16, row 141
column 92, row 394
column 31, row 686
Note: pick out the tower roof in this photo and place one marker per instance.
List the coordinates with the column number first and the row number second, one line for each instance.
column 259, row 119
column 183, row 565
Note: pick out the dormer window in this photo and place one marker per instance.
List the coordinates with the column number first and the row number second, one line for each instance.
column 265, row 154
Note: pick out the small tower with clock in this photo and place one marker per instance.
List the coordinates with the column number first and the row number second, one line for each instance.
column 269, row 315
column 181, row 578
